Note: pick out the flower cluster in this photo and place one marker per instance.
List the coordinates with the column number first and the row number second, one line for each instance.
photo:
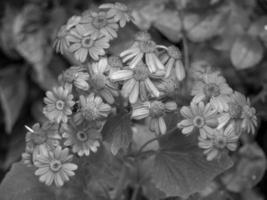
column 142, row 77
column 218, row 113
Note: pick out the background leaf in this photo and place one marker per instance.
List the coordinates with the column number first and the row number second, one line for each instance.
column 180, row 167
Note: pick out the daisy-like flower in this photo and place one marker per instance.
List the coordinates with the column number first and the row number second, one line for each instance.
column 219, row 142
column 99, row 23
column 143, row 48
column 137, row 83
column 91, row 109
column 100, row 83
column 118, row 11
column 173, row 60
column 55, row 167
column 82, row 44
column 59, row 103
column 82, row 139
column 198, row 116
column 61, row 43
column 77, row 76
column 73, row 22
column 155, row 110
column 46, row 134
column 212, row 87
column 239, row 112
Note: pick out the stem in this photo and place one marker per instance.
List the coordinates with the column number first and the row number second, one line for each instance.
column 154, row 139
column 135, row 193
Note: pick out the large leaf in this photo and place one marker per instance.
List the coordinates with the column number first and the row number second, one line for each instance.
column 246, row 52
column 12, row 95
column 181, row 169
column 117, row 132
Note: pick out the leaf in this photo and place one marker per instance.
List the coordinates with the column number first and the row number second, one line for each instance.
column 21, row 183
column 200, row 28
column 13, row 91
column 117, row 132
column 180, row 167
column 246, row 52
column 169, row 24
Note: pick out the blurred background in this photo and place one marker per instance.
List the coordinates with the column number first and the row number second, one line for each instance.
column 230, row 35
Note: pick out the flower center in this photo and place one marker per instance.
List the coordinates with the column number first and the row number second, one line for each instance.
column 39, row 138
column 174, row 52
column 55, row 165
column 87, row 42
column 235, row 110
column 99, row 21
column 156, row 109
column 211, row 90
column 220, row 142
column 199, row 121
column 60, row 105
column 99, row 81
column 115, row 61
column 81, row 136
column 147, row 46
column 90, row 112
column 140, row 72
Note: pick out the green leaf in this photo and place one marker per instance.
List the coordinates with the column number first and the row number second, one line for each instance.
column 246, row 52
column 13, row 90
column 21, row 183
column 200, row 28
column 181, row 169
column 117, row 132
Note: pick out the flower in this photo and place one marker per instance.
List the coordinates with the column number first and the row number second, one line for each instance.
column 82, row 139
column 212, row 87
column 200, row 116
column 220, row 141
column 77, row 76
column 27, row 156
column 137, row 83
column 61, row 43
column 240, row 113
column 59, row 103
column 45, row 134
column 173, row 59
column 99, row 23
column 73, row 22
column 91, row 109
column 145, row 47
column 82, row 44
column 55, row 166
column 118, row 11
column 155, row 110
column 100, row 83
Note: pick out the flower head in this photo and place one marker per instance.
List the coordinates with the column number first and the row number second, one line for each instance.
column 220, row 141
column 239, row 112
column 61, row 43
column 55, row 166
column 77, row 76
column 82, row 44
column 82, row 138
column 99, row 23
column 118, row 11
column 73, row 22
column 100, row 83
column 59, row 103
column 198, row 116
column 143, row 48
column 155, row 110
column 137, row 83
column 91, row 109
column 173, row 60
column 46, row 134
column 212, row 87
